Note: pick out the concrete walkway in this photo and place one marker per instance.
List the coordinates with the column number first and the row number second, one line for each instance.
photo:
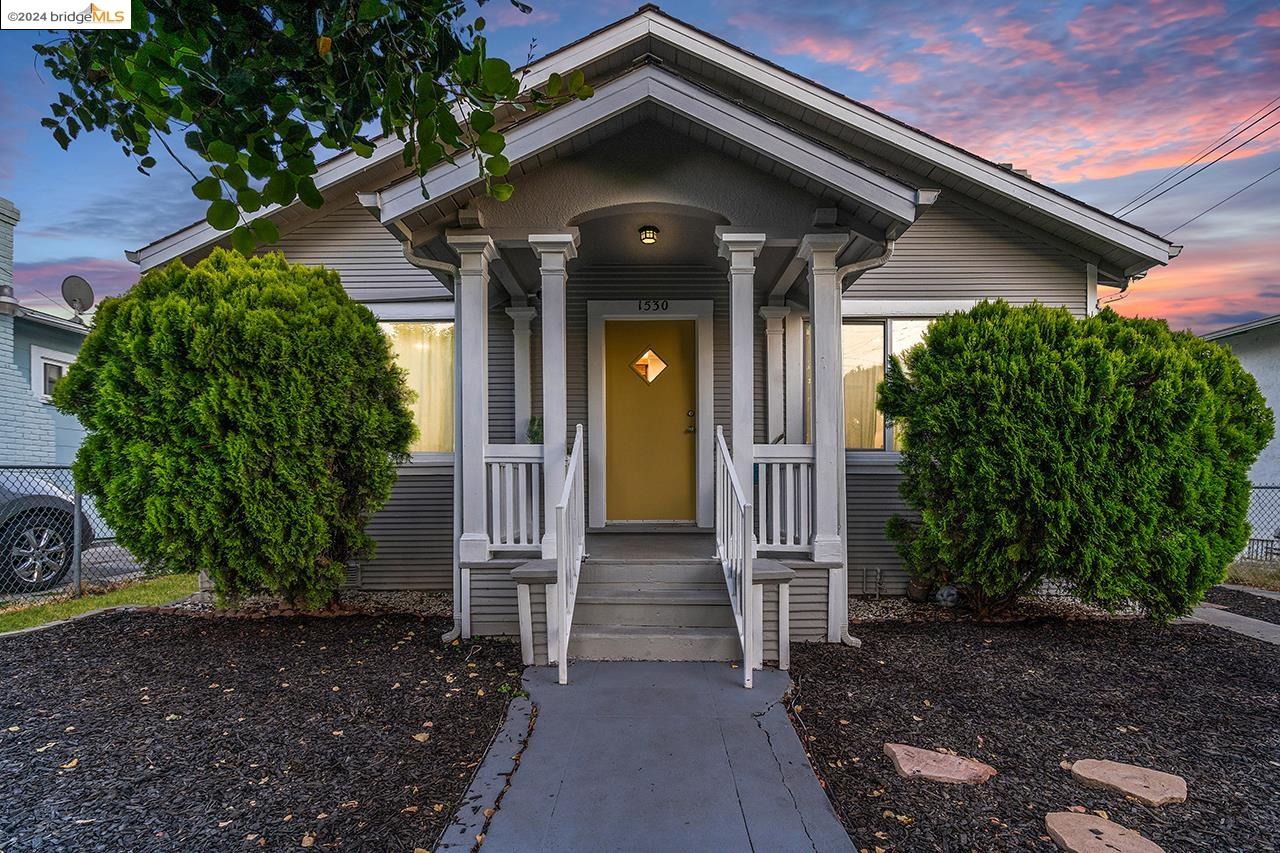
column 651, row 757
column 1256, row 628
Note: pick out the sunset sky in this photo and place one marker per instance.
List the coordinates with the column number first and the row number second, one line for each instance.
column 1100, row 99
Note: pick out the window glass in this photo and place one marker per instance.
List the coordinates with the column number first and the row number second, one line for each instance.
column 906, row 334
column 425, row 352
column 862, row 363
column 52, row 373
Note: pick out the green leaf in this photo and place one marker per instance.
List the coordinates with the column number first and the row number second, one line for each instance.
column 576, row 80
column 501, row 192
column 554, row 82
column 221, row 152
column 495, row 75
column 308, row 194
column 207, row 189
column 221, row 214
column 362, row 149
column 491, row 143
column 481, row 120
column 281, row 188
column 371, row 10
column 249, row 199
column 266, row 230
column 243, row 241
column 235, row 176
column 498, row 165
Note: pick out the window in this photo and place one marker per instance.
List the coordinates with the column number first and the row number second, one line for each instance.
column 425, row 352
column 47, row 367
column 865, row 349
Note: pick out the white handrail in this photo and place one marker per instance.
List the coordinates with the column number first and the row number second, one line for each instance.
column 784, row 497
column 734, row 549
column 571, row 541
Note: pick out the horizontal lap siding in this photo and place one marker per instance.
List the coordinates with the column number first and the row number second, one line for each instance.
column 493, row 603
column 502, row 384
column 873, row 499
column 770, row 617
column 370, row 261
column 953, row 252
column 414, row 533
column 809, row 604
column 538, row 604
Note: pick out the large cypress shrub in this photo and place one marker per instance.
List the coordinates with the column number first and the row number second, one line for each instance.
column 1109, row 454
column 243, row 418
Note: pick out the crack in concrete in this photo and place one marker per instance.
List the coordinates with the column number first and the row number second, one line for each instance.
column 782, row 773
column 746, row 827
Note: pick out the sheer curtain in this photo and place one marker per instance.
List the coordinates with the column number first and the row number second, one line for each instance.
column 425, row 352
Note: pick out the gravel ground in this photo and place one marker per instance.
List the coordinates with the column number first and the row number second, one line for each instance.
column 1188, row 699
column 1246, row 604
column 143, row 731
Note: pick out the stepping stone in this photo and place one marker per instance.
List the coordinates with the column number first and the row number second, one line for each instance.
column 914, row 763
column 1151, row 787
column 1086, row 833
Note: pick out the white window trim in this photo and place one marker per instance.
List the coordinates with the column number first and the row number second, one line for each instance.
column 40, row 356
column 413, row 312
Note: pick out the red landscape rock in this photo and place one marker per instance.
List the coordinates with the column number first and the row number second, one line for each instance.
column 1151, row 787
column 1086, row 833
column 914, row 763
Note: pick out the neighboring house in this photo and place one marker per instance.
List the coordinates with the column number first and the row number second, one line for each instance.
column 709, row 242
column 1257, row 345
column 36, row 348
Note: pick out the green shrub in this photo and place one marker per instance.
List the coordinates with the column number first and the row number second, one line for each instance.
column 244, row 417
column 1109, row 454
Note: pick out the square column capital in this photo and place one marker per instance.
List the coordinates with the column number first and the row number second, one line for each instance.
column 732, row 245
column 820, row 250
column 773, row 316
column 522, row 314
column 565, row 245
column 476, row 250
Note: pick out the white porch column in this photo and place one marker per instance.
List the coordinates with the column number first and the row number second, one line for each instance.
column 521, row 315
column 775, row 375
column 741, row 251
column 471, row 298
column 555, row 252
column 820, row 251
column 795, row 377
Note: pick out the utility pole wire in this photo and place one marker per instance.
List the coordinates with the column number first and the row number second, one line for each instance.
column 1191, row 175
column 1204, row 152
column 1249, row 185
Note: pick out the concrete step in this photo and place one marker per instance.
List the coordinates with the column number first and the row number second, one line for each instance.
column 613, row 571
column 608, row 605
column 633, row 642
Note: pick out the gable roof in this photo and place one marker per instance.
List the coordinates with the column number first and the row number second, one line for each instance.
column 1241, row 328
column 1121, row 247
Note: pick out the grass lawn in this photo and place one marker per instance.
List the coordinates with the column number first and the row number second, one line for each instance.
column 1264, row 575
column 161, row 590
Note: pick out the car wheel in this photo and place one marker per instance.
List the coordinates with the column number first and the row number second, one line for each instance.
column 35, row 551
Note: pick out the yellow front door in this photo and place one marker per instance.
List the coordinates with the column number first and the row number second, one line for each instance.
column 650, row 376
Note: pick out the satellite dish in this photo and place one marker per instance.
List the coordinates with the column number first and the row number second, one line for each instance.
column 77, row 293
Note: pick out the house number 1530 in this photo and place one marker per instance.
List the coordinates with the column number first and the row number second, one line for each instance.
column 652, row 305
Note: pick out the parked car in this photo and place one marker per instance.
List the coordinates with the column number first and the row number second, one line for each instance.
column 37, row 533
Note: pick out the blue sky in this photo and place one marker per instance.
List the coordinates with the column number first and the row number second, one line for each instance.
column 1099, row 98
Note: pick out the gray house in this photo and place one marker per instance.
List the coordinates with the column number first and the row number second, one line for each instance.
column 35, row 350
column 694, row 291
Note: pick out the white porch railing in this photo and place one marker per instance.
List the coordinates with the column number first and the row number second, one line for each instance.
column 571, row 545
column 784, row 497
column 515, row 496
column 734, row 547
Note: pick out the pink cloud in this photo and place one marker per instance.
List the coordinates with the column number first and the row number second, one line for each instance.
column 1268, row 19
column 38, row 284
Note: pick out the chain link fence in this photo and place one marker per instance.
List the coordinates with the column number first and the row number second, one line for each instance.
column 1264, row 519
column 53, row 543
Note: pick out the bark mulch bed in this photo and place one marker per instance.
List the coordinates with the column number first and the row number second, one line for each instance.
column 1188, row 699
column 145, row 731
column 1246, row 604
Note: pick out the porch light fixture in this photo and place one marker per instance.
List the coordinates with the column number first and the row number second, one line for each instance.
column 648, row 234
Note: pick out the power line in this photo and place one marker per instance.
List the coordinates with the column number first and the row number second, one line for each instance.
column 1191, row 175
column 1249, row 185
column 1235, row 131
